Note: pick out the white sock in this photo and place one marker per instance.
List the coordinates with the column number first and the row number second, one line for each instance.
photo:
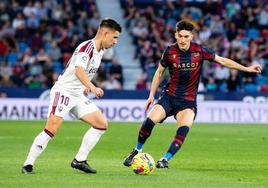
column 38, row 146
column 139, row 150
column 90, row 139
column 163, row 159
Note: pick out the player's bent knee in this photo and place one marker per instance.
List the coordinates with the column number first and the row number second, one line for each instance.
column 155, row 119
column 101, row 125
column 53, row 124
column 53, row 127
column 104, row 125
column 102, row 128
column 52, row 130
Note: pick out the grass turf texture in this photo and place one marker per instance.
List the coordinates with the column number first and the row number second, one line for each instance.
column 212, row 156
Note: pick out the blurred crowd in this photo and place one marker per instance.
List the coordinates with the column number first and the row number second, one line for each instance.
column 37, row 38
column 234, row 29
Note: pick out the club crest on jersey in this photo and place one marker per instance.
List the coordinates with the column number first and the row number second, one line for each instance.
column 196, row 54
column 174, row 56
column 60, row 108
column 84, row 58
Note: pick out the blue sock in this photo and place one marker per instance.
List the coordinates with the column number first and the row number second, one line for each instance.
column 139, row 146
column 145, row 132
column 177, row 142
column 168, row 156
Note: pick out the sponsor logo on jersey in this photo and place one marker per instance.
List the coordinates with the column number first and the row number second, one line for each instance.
column 92, row 70
column 186, row 66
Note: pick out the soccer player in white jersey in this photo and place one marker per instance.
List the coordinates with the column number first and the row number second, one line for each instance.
column 69, row 95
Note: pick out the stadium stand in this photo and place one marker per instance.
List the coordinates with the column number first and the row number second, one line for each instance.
column 235, row 29
column 37, row 38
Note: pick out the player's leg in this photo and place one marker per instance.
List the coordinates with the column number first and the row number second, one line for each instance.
column 184, row 121
column 99, row 125
column 40, row 142
column 156, row 115
column 56, row 111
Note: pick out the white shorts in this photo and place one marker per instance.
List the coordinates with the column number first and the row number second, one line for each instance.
column 62, row 102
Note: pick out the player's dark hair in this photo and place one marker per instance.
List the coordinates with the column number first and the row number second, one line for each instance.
column 184, row 25
column 111, row 24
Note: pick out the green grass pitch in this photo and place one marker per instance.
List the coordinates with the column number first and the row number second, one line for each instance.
column 212, row 156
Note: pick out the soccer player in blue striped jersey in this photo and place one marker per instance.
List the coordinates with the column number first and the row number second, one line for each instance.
column 184, row 60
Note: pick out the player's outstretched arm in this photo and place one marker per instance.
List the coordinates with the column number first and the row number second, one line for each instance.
column 155, row 83
column 233, row 65
column 82, row 76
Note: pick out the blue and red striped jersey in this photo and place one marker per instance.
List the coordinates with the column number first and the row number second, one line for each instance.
column 185, row 69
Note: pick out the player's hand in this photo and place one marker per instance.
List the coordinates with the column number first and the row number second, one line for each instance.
column 254, row 69
column 149, row 101
column 98, row 92
column 86, row 91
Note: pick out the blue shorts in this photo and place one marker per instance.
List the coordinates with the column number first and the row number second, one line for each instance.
column 173, row 105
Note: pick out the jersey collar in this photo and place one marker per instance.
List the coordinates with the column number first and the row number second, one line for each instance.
column 95, row 47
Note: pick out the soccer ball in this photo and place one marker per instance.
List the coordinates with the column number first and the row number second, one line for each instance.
column 143, row 164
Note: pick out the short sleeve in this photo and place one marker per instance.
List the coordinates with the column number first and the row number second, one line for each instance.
column 165, row 58
column 208, row 54
column 82, row 59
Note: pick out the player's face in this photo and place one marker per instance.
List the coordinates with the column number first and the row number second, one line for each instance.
column 184, row 39
column 110, row 38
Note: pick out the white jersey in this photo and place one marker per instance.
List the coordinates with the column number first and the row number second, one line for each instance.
column 86, row 56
